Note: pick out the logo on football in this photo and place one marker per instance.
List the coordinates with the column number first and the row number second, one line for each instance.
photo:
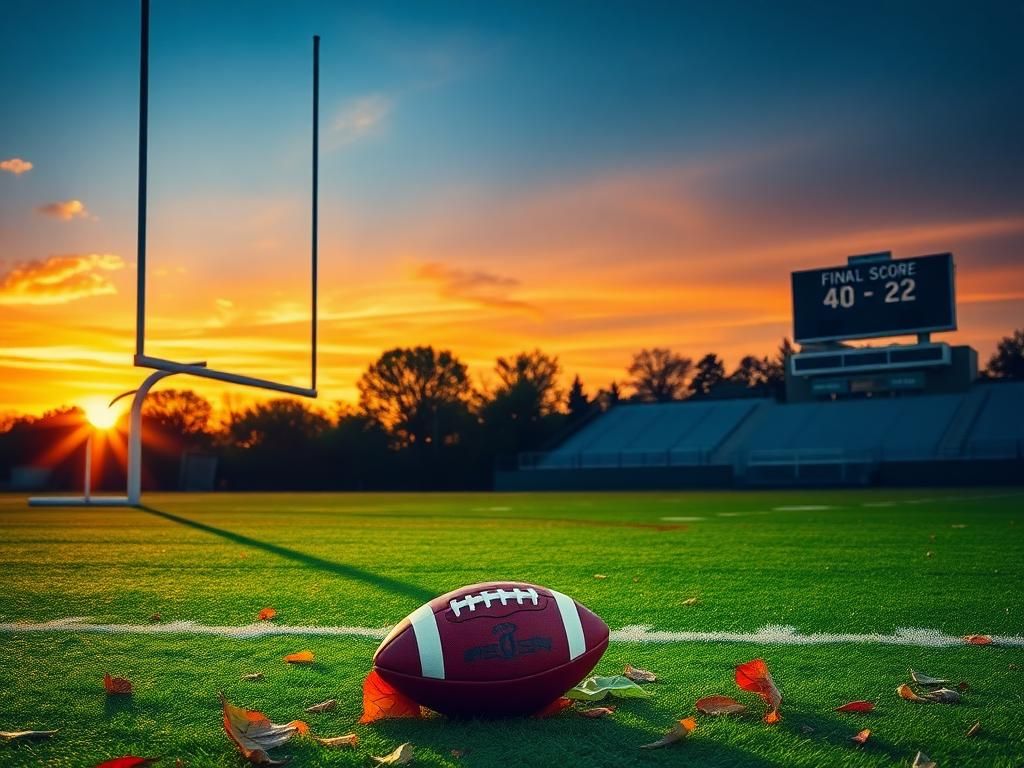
column 501, row 648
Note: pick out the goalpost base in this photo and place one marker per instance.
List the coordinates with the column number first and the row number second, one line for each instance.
column 80, row 501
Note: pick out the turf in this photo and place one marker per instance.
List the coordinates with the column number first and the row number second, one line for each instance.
column 944, row 560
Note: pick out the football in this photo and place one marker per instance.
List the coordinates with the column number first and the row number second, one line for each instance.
column 491, row 650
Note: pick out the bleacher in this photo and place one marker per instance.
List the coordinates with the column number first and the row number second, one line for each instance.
column 986, row 423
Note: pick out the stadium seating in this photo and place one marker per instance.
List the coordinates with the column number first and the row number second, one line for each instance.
column 998, row 429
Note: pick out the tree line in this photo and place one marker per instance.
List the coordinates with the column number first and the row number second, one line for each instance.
column 420, row 422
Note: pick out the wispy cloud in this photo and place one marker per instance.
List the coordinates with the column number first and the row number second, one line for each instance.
column 479, row 287
column 59, row 279
column 15, row 165
column 357, row 120
column 65, row 210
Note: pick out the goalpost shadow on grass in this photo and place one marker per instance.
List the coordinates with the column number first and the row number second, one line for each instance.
column 338, row 569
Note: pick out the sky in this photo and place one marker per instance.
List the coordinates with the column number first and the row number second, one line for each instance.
column 584, row 178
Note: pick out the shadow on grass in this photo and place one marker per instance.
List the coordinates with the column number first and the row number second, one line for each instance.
column 338, row 569
column 839, row 731
column 116, row 705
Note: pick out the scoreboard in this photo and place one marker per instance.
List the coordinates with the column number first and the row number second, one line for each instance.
column 863, row 299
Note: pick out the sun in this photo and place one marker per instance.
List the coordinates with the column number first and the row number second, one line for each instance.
column 98, row 413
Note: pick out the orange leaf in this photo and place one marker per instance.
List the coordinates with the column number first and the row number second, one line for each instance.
column 755, row 677
column 117, row 685
column 302, row 657
column 128, row 761
column 720, row 705
column 596, row 712
column 978, row 639
column 554, row 707
column 253, row 733
column 299, row 726
column 679, row 731
column 381, row 701
column 906, row 692
column 861, row 737
column 267, row 614
column 857, row 706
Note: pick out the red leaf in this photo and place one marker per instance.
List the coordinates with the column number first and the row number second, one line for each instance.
column 755, row 677
column 978, row 640
column 117, row 685
column 554, row 708
column 597, row 712
column 857, row 706
column 381, row 701
column 267, row 614
column 128, row 761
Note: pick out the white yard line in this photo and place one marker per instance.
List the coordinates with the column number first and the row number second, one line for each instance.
column 634, row 633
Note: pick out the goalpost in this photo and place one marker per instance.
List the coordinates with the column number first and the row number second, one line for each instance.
column 162, row 368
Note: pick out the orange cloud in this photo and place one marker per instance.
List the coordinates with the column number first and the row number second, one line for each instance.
column 65, row 210
column 59, row 279
column 15, row 165
column 361, row 118
column 476, row 286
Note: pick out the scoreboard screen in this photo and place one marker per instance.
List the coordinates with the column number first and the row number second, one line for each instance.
column 863, row 299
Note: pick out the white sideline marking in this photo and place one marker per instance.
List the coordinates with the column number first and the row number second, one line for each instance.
column 691, row 519
column 773, row 634
column 803, row 508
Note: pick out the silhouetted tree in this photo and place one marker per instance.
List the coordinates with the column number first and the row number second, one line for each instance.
column 532, row 377
column 659, row 375
column 752, row 372
column 606, row 398
column 1008, row 360
column 420, row 396
column 178, row 411
column 521, row 414
column 709, row 374
column 578, row 402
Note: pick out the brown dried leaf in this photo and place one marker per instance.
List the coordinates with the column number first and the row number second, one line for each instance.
column 302, row 657
column 323, row 706
column 253, row 676
column 978, row 639
column 926, row 680
column 690, row 601
column 921, row 760
column 156, row 618
column 254, row 734
column 638, row 675
column 349, row 740
column 679, row 732
column 596, row 712
column 943, row 696
column 25, row 735
column 119, row 686
column 720, row 705
column 402, row 755
column 906, row 692
column 861, row 737
column 963, row 686
column 973, row 730
column 857, row 706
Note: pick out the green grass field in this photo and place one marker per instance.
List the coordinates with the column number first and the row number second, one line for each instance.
column 827, row 561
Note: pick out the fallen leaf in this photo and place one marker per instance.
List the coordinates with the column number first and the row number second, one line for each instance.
column 755, row 677
column 942, row 696
column 401, row 756
column 302, row 657
column 349, row 740
column 690, row 601
column 299, row 726
column 638, row 675
column 254, row 734
column 596, row 712
column 926, row 680
column 266, row 614
column 973, row 730
column 720, row 705
column 861, row 737
column 458, row 754
column 155, row 618
column 253, row 676
column 323, row 706
column 906, row 692
column 25, row 735
column 978, row 639
column 679, row 731
column 600, row 576
column 119, row 686
column 963, row 686
column 921, row 760
column 128, row 761
column 857, row 706
column 381, row 701
column 552, row 709
column 598, row 688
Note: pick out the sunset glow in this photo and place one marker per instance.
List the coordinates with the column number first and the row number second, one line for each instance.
column 99, row 413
